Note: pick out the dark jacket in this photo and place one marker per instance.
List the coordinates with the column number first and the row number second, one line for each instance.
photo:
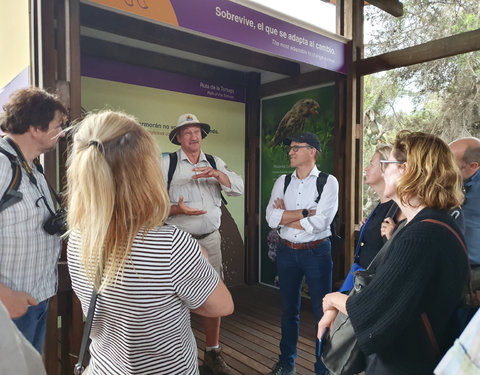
column 425, row 270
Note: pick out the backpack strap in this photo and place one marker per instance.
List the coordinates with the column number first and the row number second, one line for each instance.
column 213, row 163
column 288, row 178
column 211, row 160
column 171, row 168
column 12, row 195
column 321, row 181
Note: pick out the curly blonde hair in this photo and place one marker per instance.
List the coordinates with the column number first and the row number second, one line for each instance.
column 431, row 173
column 115, row 187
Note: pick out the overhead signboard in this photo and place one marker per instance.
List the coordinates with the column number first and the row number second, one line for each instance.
column 236, row 23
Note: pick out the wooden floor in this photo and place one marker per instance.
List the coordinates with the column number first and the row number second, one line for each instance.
column 250, row 337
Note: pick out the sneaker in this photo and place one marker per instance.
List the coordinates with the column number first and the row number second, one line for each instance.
column 214, row 364
column 282, row 369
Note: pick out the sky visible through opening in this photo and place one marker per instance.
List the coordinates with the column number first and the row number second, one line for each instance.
column 313, row 12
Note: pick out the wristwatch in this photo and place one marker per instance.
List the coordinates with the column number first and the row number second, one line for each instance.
column 305, row 212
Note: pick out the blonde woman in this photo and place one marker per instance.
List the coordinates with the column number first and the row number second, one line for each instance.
column 424, row 270
column 380, row 224
column 149, row 275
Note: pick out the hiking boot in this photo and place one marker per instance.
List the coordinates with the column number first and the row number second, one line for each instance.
column 282, row 369
column 214, row 364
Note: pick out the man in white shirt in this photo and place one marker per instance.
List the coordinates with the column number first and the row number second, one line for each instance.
column 195, row 195
column 304, row 248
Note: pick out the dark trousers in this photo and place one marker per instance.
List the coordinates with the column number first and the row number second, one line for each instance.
column 292, row 265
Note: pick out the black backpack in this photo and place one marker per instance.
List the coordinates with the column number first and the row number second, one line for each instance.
column 321, row 181
column 173, row 166
column 12, row 195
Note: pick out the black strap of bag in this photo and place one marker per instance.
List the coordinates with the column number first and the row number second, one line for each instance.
column 80, row 366
column 23, row 162
column 470, row 288
column 425, row 320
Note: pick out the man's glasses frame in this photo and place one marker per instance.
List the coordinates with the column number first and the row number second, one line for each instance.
column 296, row 148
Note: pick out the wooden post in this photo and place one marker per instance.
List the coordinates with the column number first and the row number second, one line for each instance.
column 252, row 193
column 351, row 26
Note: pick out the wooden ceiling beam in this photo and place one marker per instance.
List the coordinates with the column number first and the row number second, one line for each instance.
column 150, row 32
column 315, row 78
column 136, row 56
column 393, row 7
column 436, row 49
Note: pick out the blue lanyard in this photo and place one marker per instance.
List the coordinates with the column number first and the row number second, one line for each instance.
column 360, row 237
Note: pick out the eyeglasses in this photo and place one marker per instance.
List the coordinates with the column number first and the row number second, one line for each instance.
column 384, row 163
column 296, row 148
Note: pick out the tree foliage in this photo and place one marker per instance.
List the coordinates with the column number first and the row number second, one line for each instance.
column 445, row 93
column 443, row 96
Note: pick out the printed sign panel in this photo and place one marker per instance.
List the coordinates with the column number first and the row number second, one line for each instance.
column 283, row 117
column 158, row 104
column 239, row 24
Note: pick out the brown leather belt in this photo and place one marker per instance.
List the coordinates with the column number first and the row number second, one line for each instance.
column 201, row 236
column 303, row 245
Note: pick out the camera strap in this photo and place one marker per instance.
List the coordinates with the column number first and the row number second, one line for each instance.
column 31, row 177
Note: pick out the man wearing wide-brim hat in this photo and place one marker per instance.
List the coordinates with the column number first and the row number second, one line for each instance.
column 195, row 196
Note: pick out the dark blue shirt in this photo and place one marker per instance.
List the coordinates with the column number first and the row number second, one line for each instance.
column 471, row 213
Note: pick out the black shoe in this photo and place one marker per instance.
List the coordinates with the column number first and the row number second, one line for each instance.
column 214, row 364
column 282, row 369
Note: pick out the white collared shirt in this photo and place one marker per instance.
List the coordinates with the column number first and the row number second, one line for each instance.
column 203, row 194
column 301, row 194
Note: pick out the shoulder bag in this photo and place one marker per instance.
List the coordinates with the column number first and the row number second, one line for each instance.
column 340, row 351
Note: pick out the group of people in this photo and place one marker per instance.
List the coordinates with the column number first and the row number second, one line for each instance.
column 153, row 254
column 428, row 206
column 143, row 233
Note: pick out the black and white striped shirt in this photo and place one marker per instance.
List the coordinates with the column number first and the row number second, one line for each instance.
column 142, row 323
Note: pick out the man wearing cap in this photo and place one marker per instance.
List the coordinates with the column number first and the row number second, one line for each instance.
column 195, row 196
column 467, row 153
column 304, row 247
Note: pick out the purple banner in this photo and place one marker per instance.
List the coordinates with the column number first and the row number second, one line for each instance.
column 142, row 76
column 236, row 23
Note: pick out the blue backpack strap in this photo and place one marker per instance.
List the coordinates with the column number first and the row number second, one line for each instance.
column 12, row 195
column 171, row 168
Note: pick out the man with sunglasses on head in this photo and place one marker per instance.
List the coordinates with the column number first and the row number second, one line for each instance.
column 32, row 121
column 304, row 248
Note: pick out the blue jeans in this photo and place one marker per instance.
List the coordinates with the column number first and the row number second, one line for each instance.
column 316, row 265
column 33, row 324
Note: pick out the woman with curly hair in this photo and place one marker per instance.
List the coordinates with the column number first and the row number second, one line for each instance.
column 425, row 270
